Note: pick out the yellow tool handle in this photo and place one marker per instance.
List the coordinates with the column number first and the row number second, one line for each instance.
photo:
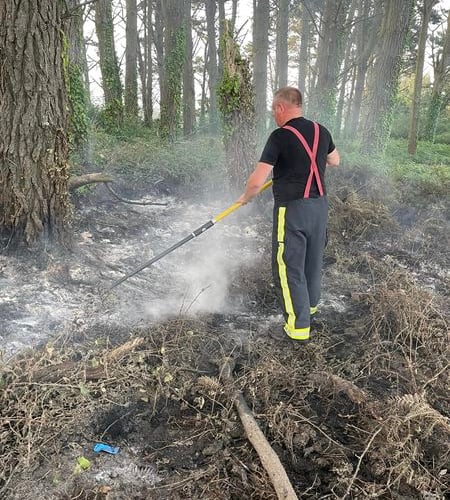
column 236, row 205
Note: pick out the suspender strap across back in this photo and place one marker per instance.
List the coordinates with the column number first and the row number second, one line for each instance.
column 314, row 171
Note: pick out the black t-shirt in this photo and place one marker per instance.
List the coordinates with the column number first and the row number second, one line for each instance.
column 291, row 162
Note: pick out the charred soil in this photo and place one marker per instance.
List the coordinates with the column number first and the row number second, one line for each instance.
column 361, row 411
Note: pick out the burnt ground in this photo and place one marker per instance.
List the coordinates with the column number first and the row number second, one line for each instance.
column 361, row 411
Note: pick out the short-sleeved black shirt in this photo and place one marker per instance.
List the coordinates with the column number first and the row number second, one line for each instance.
column 291, row 162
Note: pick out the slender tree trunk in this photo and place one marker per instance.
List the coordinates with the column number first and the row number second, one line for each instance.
column 345, row 75
column 146, row 63
column 367, row 31
column 131, row 35
column 282, row 61
column 233, row 15
column 212, row 63
column 203, row 95
column 109, row 67
column 303, row 54
column 221, row 4
column 382, row 87
column 33, row 107
column 188, row 76
column 86, row 79
column 174, row 56
column 260, row 54
column 438, row 98
column 329, row 58
column 350, row 100
column 415, row 109
column 158, row 38
column 76, row 89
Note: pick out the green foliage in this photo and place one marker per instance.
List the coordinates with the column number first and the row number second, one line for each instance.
column 111, row 116
column 139, row 156
column 397, row 173
column 78, row 106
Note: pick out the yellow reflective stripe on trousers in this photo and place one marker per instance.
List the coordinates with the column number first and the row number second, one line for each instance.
column 298, row 333
column 313, row 310
column 282, row 272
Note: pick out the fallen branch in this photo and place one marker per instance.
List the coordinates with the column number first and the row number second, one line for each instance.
column 267, row 455
column 83, row 180
column 269, row 458
column 132, row 202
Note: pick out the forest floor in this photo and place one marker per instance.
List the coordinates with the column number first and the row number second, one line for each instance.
column 361, row 411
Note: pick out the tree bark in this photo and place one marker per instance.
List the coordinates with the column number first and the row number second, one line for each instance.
column 188, row 75
column 382, row 87
column 212, row 63
column 261, row 19
column 174, row 55
column 282, row 61
column 131, row 35
column 438, row 97
column 33, row 107
column 109, row 67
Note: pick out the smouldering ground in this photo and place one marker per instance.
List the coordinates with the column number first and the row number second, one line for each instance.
column 362, row 411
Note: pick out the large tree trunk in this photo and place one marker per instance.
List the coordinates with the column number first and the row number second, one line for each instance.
column 212, row 63
column 237, row 105
column 109, row 67
column 281, row 60
column 77, row 93
column 438, row 96
column 174, row 54
column 188, row 75
column 382, row 87
column 33, row 110
column 131, row 35
column 261, row 23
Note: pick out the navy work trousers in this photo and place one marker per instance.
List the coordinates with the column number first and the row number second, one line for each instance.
column 298, row 242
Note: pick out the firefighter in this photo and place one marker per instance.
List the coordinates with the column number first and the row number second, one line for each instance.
column 297, row 153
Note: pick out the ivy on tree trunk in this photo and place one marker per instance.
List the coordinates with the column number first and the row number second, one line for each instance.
column 237, row 106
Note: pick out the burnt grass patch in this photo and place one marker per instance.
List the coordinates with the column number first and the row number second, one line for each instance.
column 361, row 411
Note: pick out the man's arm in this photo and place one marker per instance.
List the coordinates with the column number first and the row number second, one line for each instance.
column 333, row 158
column 255, row 182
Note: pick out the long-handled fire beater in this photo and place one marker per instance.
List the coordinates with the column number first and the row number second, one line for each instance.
column 190, row 237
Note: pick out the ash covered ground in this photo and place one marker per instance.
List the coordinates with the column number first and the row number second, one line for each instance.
column 362, row 411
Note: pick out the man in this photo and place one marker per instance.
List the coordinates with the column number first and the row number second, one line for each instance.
column 298, row 153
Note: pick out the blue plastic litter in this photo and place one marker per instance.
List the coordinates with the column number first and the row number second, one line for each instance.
column 106, row 448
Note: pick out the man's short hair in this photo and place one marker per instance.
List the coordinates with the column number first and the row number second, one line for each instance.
column 289, row 94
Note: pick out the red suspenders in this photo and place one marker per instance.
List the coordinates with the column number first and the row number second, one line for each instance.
column 314, row 171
